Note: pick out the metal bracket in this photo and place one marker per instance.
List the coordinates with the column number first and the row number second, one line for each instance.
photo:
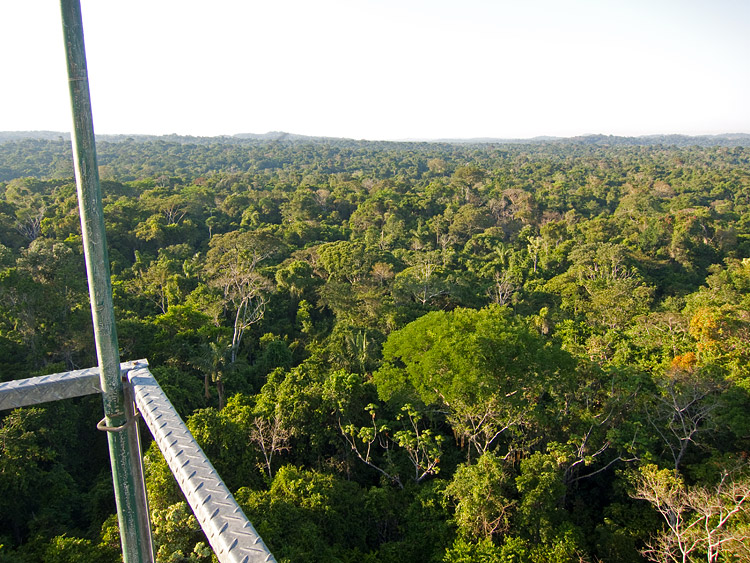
column 102, row 424
column 131, row 415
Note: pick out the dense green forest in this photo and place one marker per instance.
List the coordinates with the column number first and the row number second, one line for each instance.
column 395, row 352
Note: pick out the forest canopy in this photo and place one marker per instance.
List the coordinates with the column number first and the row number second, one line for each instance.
column 475, row 352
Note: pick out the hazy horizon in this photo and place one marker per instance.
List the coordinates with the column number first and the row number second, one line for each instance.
column 270, row 134
column 387, row 69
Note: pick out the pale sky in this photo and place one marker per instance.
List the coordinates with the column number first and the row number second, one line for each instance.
column 386, row 69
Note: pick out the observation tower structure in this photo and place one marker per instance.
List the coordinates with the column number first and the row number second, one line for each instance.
column 129, row 391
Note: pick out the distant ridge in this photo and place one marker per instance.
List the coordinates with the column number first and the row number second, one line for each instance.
column 44, row 135
column 725, row 139
column 283, row 136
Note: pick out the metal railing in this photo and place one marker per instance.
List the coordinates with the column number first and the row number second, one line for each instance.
column 230, row 533
column 45, row 388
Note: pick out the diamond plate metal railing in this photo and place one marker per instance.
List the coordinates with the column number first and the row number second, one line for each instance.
column 231, row 535
column 45, row 388
column 35, row 390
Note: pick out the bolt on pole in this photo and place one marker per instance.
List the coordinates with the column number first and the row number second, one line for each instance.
column 119, row 422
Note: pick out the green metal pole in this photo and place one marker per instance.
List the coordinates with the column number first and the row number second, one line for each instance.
column 122, row 432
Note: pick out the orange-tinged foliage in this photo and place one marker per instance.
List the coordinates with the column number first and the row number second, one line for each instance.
column 685, row 362
column 705, row 327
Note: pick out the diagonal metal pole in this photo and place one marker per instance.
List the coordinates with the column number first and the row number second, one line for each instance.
column 122, row 431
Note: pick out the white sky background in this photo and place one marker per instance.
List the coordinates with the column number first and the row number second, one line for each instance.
column 386, row 69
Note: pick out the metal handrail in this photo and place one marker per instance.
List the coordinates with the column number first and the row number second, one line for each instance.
column 45, row 388
column 228, row 530
column 231, row 535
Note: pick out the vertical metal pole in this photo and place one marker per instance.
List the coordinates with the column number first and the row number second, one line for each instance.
column 122, row 434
